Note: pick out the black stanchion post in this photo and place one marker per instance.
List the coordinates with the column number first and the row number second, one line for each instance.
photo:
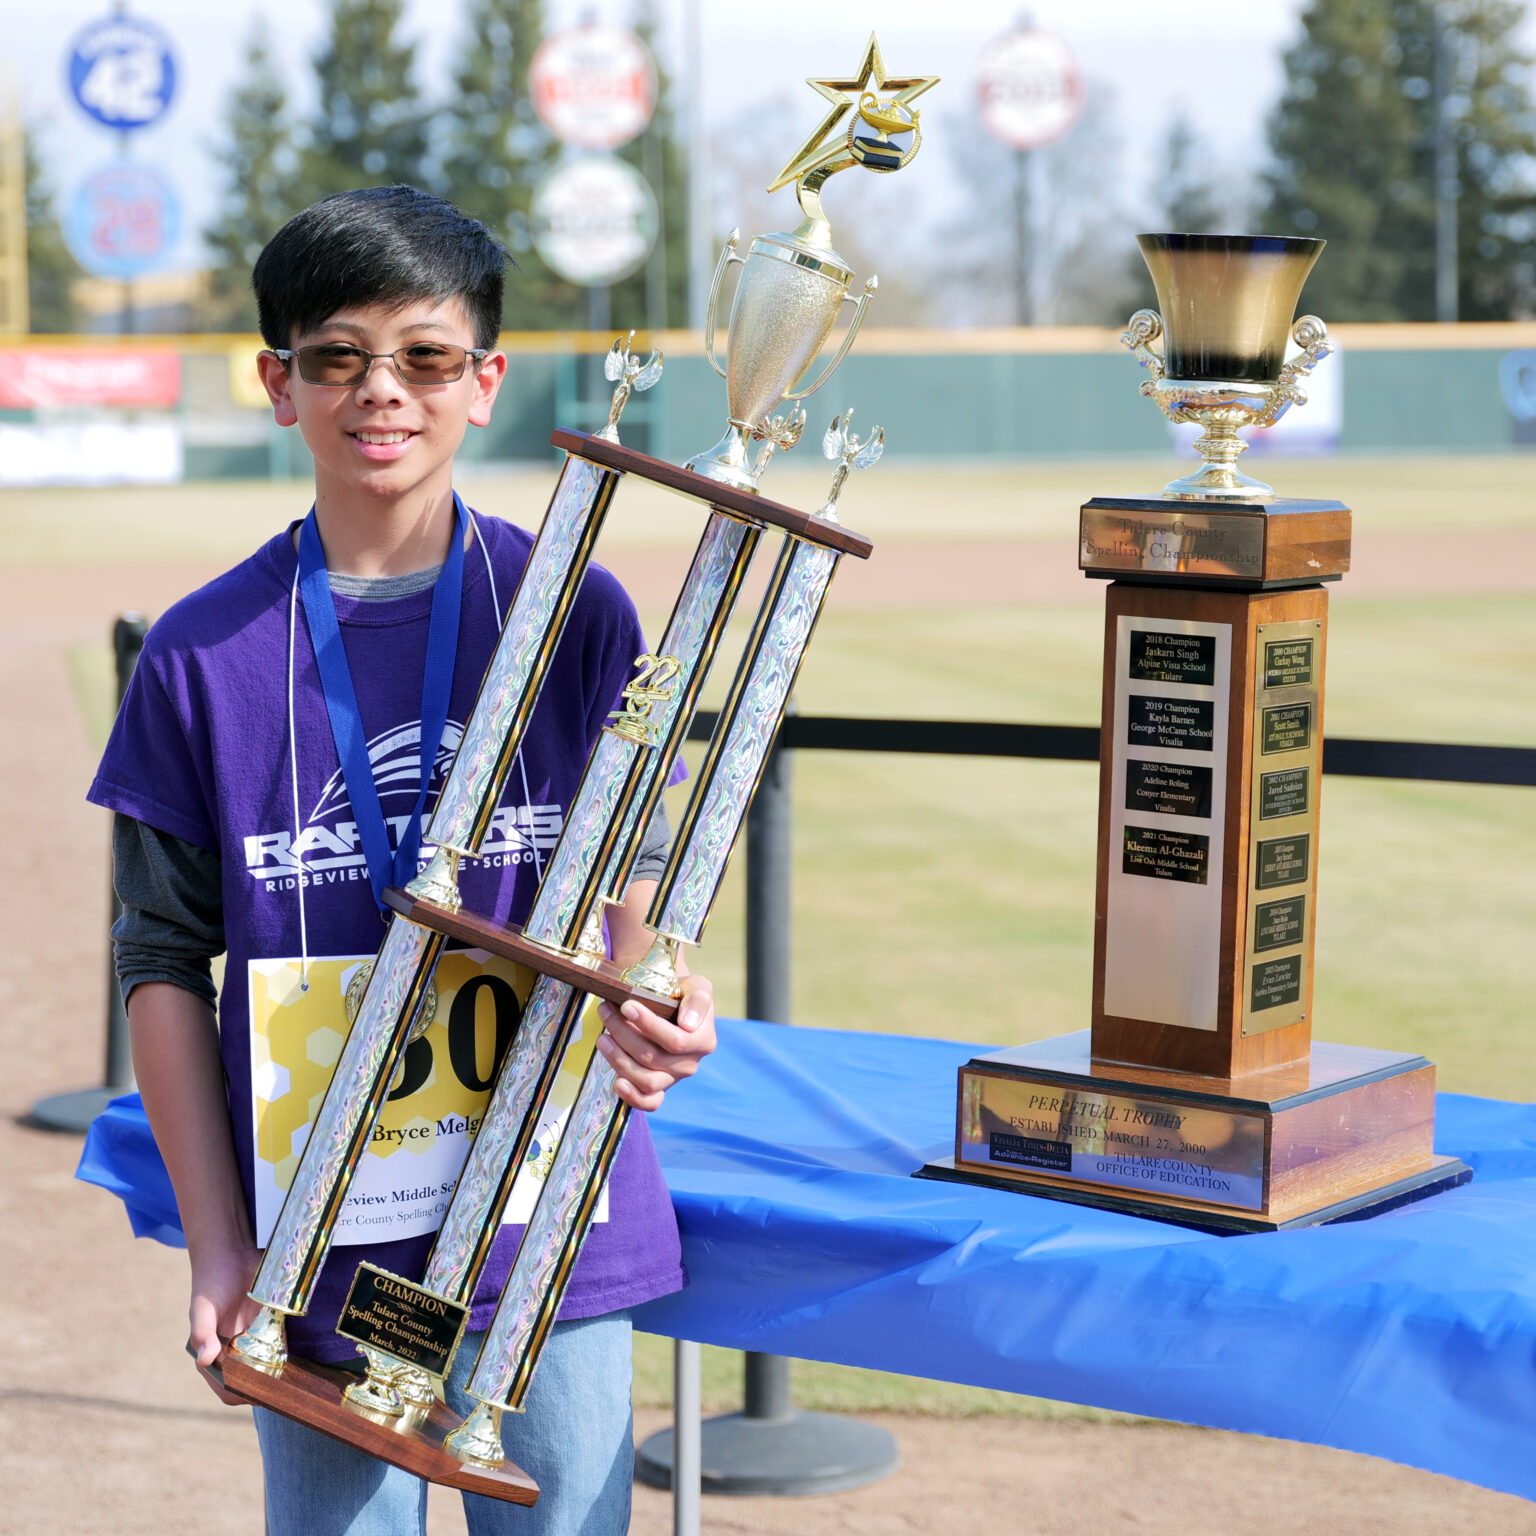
column 771, row 1447
column 75, row 1111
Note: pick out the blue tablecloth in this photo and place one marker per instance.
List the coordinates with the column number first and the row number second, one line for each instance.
column 1410, row 1336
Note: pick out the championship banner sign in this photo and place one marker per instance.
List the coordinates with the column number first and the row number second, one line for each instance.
column 32, row 379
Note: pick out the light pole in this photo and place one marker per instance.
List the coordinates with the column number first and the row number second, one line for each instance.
column 1447, row 182
column 700, row 252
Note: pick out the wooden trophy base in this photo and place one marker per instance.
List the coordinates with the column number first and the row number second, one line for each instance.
column 310, row 1394
column 1346, row 1134
column 597, row 978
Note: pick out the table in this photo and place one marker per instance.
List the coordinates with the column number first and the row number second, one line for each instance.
column 1411, row 1336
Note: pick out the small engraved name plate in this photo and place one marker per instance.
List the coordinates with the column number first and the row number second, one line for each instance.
column 1283, row 861
column 1172, row 658
column 1279, row 924
column 1176, row 725
column 1160, row 854
column 1285, row 728
column 402, row 1319
column 1275, row 983
column 1287, row 663
column 1282, row 793
column 1169, row 789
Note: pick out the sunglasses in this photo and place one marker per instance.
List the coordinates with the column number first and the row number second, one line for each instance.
column 426, row 362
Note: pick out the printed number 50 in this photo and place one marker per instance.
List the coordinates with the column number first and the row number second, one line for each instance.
column 464, row 1044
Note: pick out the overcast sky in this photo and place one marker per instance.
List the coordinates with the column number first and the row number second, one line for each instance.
column 1220, row 62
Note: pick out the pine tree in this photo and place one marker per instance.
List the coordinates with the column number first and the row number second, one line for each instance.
column 1186, row 197
column 260, row 192
column 1354, row 145
column 51, row 269
column 369, row 128
column 1496, row 140
column 493, row 150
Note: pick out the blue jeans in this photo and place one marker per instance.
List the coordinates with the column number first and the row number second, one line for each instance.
column 576, row 1441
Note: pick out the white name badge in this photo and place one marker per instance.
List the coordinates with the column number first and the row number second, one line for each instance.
column 405, row 1179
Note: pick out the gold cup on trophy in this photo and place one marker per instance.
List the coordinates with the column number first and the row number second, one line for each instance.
column 1225, row 308
column 793, row 284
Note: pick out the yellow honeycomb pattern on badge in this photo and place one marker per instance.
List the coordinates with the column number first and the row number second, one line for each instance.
column 445, row 1077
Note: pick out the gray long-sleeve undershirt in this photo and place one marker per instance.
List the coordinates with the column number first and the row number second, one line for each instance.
column 172, row 891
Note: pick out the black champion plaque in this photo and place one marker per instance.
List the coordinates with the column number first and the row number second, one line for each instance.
column 1283, row 861
column 1287, row 663
column 1186, row 725
column 1160, row 854
column 1161, row 658
column 403, row 1320
column 1029, row 1152
column 1275, row 983
column 1282, row 793
column 1168, row 789
column 1285, row 728
column 1279, row 924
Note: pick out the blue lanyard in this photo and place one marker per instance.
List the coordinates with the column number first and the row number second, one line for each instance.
column 341, row 698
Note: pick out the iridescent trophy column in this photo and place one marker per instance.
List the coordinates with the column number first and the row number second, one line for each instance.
column 619, row 791
column 734, row 763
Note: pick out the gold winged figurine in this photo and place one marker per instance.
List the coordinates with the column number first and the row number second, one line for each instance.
column 623, row 368
column 848, row 452
column 777, row 432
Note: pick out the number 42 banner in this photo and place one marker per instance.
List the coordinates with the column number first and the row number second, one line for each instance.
column 405, row 1179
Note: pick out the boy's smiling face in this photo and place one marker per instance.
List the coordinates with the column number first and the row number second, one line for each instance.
column 385, row 439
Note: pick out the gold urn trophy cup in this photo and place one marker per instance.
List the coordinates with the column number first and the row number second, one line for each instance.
column 408, row 1328
column 1198, row 1094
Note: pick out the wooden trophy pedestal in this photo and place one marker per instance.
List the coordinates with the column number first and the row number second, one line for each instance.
column 311, row 1394
column 1345, row 1134
column 1199, row 1096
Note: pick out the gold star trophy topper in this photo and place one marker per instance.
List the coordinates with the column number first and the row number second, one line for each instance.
column 794, row 284
column 881, row 103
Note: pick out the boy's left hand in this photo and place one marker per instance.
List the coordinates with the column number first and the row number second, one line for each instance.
column 647, row 1053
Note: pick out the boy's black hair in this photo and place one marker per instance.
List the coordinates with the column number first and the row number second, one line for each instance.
column 377, row 245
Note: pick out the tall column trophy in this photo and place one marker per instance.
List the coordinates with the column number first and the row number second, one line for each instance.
column 1198, row 1094
column 408, row 1329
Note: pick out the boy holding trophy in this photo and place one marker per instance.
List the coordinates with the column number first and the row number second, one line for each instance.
column 271, row 770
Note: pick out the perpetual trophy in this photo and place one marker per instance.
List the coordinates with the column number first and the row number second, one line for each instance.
column 408, row 1328
column 1198, row 1094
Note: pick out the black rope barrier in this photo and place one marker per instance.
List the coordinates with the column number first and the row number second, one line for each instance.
column 1345, row 755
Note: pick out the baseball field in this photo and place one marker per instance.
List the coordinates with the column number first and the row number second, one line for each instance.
column 933, row 896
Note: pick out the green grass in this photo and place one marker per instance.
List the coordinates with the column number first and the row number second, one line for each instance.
column 953, row 897
column 847, row 1389
column 225, row 520
column 91, row 670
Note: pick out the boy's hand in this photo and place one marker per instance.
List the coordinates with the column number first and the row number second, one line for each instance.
column 647, row 1053
column 220, row 1307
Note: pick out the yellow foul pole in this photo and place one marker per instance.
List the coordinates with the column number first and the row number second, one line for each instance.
column 14, row 316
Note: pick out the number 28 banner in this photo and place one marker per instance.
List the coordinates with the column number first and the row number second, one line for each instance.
column 123, row 220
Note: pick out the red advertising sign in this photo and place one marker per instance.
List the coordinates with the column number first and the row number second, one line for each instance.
column 65, row 376
column 593, row 86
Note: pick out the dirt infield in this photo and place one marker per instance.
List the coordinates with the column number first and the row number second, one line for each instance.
column 105, row 1428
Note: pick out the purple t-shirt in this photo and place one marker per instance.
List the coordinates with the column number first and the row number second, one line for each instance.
column 201, row 750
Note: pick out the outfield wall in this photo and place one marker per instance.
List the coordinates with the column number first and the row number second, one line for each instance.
column 1003, row 394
